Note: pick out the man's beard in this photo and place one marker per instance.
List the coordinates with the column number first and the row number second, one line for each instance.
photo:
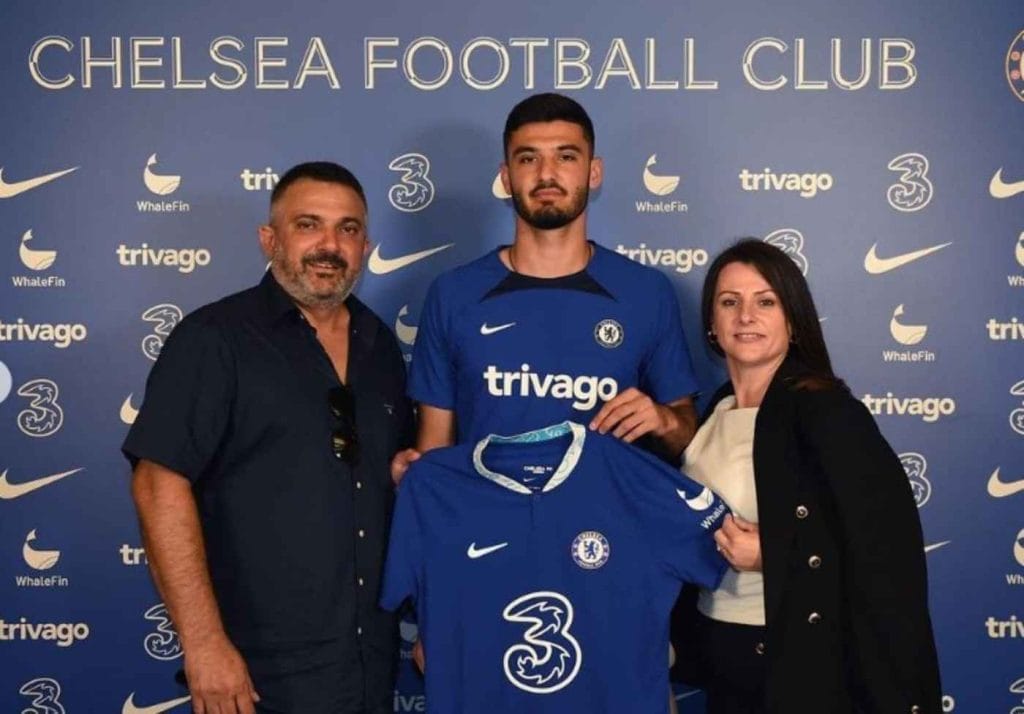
column 298, row 283
column 551, row 217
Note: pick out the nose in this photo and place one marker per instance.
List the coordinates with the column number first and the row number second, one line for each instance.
column 745, row 313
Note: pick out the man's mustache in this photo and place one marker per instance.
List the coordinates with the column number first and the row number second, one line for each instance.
column 544, row 185
column 325, row 257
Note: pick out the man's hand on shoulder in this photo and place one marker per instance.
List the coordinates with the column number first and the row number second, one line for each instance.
column 218, row 679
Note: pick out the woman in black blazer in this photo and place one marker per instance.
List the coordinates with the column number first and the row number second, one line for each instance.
column 826, row 608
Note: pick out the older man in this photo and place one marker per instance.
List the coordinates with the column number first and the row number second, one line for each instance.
column 261, row 477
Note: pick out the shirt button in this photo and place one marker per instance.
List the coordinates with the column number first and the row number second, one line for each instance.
column 359, row 484
column 801, row 511
column 915, row 709
column 360, row 582
column 362, row 533
column 359, row 630
column 759, row 648
column 813, row 619
column 814, row 562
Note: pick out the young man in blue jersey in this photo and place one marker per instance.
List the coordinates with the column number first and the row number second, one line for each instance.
column 553, row 326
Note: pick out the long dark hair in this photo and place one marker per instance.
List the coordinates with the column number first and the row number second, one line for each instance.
column 808, row 344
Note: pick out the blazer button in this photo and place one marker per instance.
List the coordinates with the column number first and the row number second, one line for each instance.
column 759, row 648
column 801, row 511
column 813, row 619
column 814, row 562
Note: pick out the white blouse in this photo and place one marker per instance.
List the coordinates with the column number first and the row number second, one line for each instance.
column 721, row 456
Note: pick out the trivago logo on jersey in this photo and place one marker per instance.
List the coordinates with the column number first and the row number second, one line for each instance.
column 584, row 391
column 62, row 634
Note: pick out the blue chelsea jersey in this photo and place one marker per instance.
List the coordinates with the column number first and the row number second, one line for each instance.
column 543, row 568
column 508, row 352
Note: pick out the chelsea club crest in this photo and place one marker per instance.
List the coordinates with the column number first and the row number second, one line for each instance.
column 590, row 550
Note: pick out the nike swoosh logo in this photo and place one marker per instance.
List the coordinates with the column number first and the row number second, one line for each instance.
column 685, row 695
column 486, row 329
column 1002, row 489
column 383, row 266
column 9, row 190
column 875, row 265
column 13, row 490
column 473, row 552
column 998, row 189
column 130, row 708
column 936, row 546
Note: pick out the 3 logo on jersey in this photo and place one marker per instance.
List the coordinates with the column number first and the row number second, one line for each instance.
column 549, row 657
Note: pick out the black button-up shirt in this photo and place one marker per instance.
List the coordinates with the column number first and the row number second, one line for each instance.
column 295, row 538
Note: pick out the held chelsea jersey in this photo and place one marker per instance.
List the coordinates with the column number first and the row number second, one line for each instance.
column 543, row 568
column 508, row 352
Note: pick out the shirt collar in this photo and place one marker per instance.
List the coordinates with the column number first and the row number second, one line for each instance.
column 565, row 468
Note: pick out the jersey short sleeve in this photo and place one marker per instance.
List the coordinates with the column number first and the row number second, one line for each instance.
column 667, row 372
column 432, row 372
column 403, row 569
column 677, row 516
column 186, row 409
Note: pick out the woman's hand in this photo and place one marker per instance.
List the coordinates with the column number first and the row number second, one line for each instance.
column 739, row 542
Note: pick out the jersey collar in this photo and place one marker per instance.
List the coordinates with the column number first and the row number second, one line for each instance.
column 572, row 454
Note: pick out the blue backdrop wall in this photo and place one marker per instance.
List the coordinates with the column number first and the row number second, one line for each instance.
column 878, row 142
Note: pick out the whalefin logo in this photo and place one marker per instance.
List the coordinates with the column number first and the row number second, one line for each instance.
column 10, row 490
column 130, row 707
column 1018, row 251
column 913, row 190
column 498, row 188
column 10, row 190
column 38, row 559
column 35, row 259
column 157, row 183
column 383, row 266
column 414, row 190
column 905, row 334
column 128, row 413
column 876, row 266
column 700, row 502
column 45, row 695
column 791, row 242
column 405, row 333
column 915, row 465
column 997, row 188
column 658, row 185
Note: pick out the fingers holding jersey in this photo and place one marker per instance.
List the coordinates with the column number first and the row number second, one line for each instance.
column 739, row 542
column 400, row 464
column 630, row 415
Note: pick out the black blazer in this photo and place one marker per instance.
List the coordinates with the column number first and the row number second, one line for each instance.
column 846, row 591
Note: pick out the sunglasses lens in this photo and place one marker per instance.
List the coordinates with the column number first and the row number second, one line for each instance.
column 344, row 442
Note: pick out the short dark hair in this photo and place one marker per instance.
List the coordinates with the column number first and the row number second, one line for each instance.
column 789, row 284
column 326, row 171
column 548, row 107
